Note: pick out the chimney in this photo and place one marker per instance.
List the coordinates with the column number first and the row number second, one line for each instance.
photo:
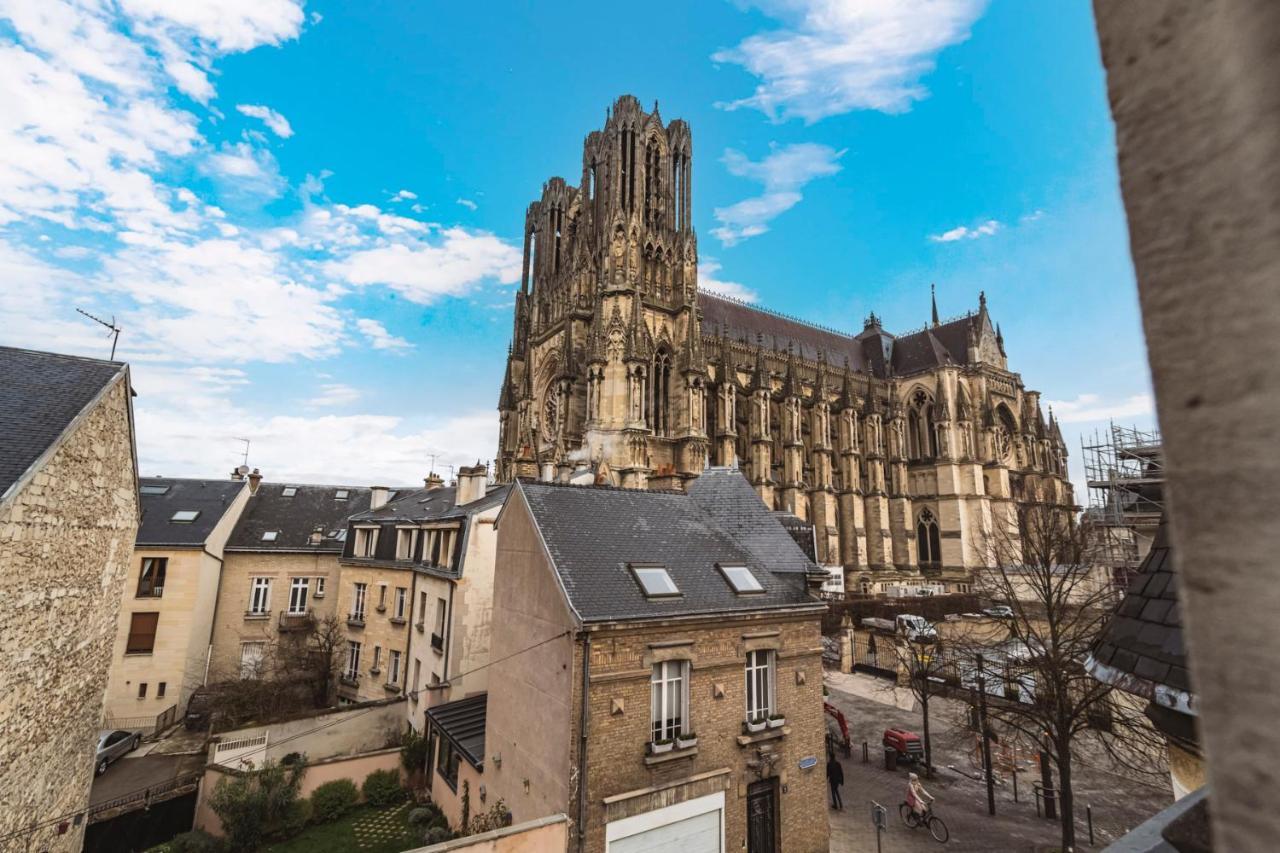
column 432, row 481
column 472, row 483
column 317, row 535
column 378, row 496
column 255, row 480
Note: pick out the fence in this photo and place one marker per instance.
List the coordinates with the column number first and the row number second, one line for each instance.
column 150, row 726
column 242, row 753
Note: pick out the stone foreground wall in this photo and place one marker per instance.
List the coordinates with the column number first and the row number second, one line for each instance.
column 65, row 543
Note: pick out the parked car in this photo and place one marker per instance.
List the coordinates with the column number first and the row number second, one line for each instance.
column 113, row 745
column 1000, row 611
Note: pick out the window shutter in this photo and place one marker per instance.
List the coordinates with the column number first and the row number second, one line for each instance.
column 142, row 633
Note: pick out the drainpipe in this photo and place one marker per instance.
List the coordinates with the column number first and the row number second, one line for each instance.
column 213, row 625
column 448, row 639
column 582, row 744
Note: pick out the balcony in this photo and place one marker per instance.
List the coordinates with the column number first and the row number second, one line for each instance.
column 300, row 620
column 355, row 620
column 437, row 642
column 349, row 679
column 147, row 590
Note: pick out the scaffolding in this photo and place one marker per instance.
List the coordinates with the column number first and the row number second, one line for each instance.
column 1124, row 473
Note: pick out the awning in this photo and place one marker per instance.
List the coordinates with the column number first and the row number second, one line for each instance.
column 462, row 722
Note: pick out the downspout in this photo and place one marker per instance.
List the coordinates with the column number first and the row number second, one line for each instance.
column 213, row 624
column 448, row 640
column 583, row 719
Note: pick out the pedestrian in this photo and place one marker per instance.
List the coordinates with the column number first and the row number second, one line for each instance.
column 835, row 778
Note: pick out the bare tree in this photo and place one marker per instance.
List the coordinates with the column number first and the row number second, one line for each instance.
column 1059, row 604
column 922, row 657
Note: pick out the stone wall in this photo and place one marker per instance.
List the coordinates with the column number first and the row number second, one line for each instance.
column 66, row 539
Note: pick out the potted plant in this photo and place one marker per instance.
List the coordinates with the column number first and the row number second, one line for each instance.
column 777, row 721
column 756, row 723
column 661, row 745
column 685, row 740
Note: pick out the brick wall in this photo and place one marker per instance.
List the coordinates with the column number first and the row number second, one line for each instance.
column 65, row 544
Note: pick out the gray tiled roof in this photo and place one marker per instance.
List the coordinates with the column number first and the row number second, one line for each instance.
column 738, row 322
column 427, row 504
column 593, row 533
column 295, row 517
column 463, row 722
column 41, row 393
column 210, row 498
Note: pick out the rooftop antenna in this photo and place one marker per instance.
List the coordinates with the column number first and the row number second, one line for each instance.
column 245, row 460
column 433, row 463
column 115, row 330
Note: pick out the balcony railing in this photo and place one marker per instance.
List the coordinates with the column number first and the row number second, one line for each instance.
column 349, row 679
column 296, row 620
column 355, row 620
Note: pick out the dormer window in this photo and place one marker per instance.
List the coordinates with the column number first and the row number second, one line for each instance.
column 270, row 535
column 185, row 516
column 288, row 492
column 366, row 541
column 741, row 579
column 341, row 494
column 654, row 580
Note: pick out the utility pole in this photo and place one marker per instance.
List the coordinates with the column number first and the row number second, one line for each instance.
column 986, row 740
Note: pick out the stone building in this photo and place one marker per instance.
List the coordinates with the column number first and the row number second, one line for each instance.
column 165, row 630
column 424, row 562
column 904, row 451
column 68, row 516
column 677, row 630
column 280, row 568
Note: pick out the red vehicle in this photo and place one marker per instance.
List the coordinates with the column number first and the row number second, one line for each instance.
column 907, row 744
column 837, row 730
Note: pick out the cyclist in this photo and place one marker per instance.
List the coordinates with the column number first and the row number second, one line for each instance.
column 917, row 797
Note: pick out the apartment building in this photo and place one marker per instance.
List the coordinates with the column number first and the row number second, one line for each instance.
column 164, row 634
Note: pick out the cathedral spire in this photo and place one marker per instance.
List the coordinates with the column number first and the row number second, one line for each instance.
column 791, row 383
column 933, row 298
column 760, row 379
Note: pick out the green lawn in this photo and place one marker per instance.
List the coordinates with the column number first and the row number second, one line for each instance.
column 363, row 830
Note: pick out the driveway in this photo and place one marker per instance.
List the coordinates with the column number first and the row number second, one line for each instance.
column 135, row 772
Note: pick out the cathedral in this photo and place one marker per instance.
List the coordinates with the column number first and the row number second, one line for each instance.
column 903, row 452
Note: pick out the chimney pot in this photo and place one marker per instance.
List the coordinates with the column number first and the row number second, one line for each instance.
column 472, row 484
column 255, row 480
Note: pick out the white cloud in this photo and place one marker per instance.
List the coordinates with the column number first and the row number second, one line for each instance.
column 784, row 172
column 1091, row 407
column 467, row 203
column 707, row 269
column 379, row 337
column 404, row 195
column 961, row 232
column 451, row 265
column 278, row 124
column 834, row 56
column 334, row 394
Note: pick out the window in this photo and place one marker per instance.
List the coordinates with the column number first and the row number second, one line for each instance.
column 153, row 490
column 393, row 667
column 270, row 535
column 442, row 609
column 319, row 593
column 654, row 580
column 251, row 659
column 422, row 609
column 341, row 494
column 437, row 549
column 404, row 544
column 670, row 704
column 353, row 660
column 928, row 540
column 151, row 580
column 142, row 690
column 160, row 690
column 402, row 601
column 298, row 589
column 382, row 597
column 447, row 765
column 417, row 675
column 288, row 492
column 185, row 516
column 741, row 579
column 377, row 659
column 759, row 684
column 366, row 541
column 260, row 597
column 142, row 633
column 357, row 602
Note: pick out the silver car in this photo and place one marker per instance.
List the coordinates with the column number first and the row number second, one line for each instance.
column 113, row 745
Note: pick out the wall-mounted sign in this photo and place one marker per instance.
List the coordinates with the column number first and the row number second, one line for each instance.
column 808, row 762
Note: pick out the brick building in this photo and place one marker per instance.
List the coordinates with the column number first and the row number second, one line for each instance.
column 687, row 623
column 68, row 516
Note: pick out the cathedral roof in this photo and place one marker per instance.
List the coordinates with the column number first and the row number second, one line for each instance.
column 947, row 343
column 739, row 321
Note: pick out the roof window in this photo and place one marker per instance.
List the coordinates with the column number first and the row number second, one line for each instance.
column 654, row 580
column 741, row 579
column 270, row 535
column 185, row 516
column 341, row 494
column 146, row 489
column 289, row 491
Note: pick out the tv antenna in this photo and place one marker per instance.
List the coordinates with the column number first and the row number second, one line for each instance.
column 115, row 330
column 245, row 460
column 433, row 464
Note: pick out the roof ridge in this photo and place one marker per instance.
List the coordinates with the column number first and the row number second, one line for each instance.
column 776, row 313
column 604, row 487
column 66, row 355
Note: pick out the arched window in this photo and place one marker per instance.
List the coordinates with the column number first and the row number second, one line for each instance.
column 928, row 539
column 922, row 436
column 660, row 389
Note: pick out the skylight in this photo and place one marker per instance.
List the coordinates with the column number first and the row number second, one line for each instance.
column 270, row 535
column 654, row 580
column 152, row 490
column 185, row 516
column 341, row 494
column 288, row 492
column 741, row 579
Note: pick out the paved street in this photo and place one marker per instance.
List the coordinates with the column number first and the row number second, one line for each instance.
column 1119, row 802
column 135, row 772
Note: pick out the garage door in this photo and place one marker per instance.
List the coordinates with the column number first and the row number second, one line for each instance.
column 697, row 834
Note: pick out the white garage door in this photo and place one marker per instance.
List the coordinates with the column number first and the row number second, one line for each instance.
column 697, row 834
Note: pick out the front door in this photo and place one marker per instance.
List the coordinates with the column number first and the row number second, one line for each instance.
column 762, row 816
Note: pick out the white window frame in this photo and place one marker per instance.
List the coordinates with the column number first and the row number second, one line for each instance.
column 760, row 673
column 299, row 590
column 669, row 699
column 402, row 598
column 366, row 544
column 406, row 538
column 249, row 667
column 319, row 591
column 393, row 666
column 358, row 593
column 442, row 617
column 260, row 596
column 353, row 659
column 377, row 659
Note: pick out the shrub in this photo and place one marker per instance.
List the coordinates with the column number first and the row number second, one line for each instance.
column 436, row 835
column 196, row 841
column 382, row 788
column 254, row 806
column 496, row 817
column 413, row 752
column 294, row 819
column 424, row 816
column 293, row 758
column 331, row 800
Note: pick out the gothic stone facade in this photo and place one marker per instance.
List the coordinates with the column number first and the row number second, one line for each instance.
column 904, row 451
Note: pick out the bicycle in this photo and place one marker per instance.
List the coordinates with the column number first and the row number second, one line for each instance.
column 937, row 828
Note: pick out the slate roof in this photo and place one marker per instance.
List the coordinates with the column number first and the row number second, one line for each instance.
column 738, row 321
column 210, row 498
column 295, row 517
column 1142, row 650
column 462, row 722
column 430, row 504
column 41, row 393
column 594, row 533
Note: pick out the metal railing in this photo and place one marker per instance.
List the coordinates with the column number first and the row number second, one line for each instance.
column 149, row 795
column 149, row 725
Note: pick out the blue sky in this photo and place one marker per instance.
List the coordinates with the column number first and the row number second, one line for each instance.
column 307, row 218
